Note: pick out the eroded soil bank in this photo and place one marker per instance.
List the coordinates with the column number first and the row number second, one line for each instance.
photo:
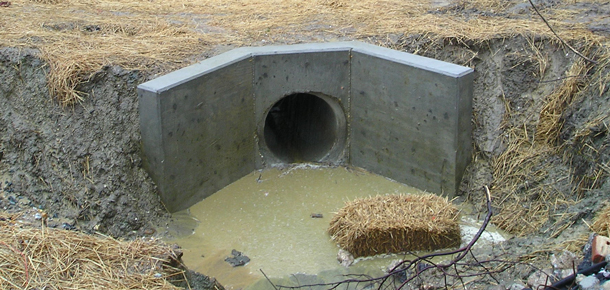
column 82, row 164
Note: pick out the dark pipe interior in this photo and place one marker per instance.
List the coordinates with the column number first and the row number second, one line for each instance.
column 300, row 128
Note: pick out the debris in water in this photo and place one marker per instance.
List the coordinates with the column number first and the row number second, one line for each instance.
column 238, row 259
column 317, row 215
column 345, row 258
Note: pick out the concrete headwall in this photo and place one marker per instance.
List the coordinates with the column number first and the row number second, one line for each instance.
column 396, row 114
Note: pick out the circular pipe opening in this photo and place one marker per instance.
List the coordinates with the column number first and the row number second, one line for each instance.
column 303, row 127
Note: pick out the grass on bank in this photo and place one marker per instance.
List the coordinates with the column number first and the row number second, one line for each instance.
column 45, row 258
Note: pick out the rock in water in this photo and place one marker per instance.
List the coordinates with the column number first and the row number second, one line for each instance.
column 238, row 259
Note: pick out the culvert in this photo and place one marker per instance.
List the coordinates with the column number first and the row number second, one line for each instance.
column 399, row 115
column 304, row 127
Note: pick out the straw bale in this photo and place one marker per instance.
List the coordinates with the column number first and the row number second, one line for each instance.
column 396, row 223
column 45, row 258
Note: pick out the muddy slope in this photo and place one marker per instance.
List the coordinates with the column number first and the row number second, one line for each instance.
column 82, row 163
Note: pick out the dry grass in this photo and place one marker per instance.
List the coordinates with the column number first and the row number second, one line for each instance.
column 526, row 195
column 77, row 37
column 521, row 194
column 35, row 258
column 551, row 123
column 396, row 223
column 601, row 223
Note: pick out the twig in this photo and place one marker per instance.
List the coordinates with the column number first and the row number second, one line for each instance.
column 463, row 251
column 268, row 280
column 487, row 270
column 556, row 35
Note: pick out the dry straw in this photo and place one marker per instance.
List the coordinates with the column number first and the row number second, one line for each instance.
column 396, row 223
column 601, row 223
column 78, row 37
column 526, row 196
column 35, row 258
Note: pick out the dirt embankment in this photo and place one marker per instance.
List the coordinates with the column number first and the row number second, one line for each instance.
column 81, row 164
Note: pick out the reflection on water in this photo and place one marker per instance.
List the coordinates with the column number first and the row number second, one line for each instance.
column 267, row 215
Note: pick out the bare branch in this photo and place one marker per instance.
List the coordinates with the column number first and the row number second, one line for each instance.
column 556, row 35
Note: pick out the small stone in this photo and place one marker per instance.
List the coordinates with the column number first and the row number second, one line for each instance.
column 516, row 286
column 565, row 273
column 238, row 259
column 540, row 278
column 565, row 260
column 588, row 282
column 345, row 258
column 68, row 227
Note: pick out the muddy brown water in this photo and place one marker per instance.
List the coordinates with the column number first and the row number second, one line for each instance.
column 267, row 215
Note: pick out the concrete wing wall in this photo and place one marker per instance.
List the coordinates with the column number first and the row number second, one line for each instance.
column 406, row 119
column 207, row 133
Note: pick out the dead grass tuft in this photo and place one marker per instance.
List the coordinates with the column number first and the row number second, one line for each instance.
column 396, row 223
column 35, row 258
column 551, row 122
column 601, row 223
column 522, row 195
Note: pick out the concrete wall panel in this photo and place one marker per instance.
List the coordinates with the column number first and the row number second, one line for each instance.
column 308, row 71
column 208, row 139
column 405, row 120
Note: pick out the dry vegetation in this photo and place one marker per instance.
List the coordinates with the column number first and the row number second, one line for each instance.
column 601, row 223
column 396, row 223
column 77, row 37
column 44, row 258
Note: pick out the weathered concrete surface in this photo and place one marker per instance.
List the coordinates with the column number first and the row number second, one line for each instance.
column 198, row 136
column 410, row 118
column 277, row 75
column 403, row 116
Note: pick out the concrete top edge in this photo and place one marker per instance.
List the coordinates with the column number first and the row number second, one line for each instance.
column 302, row 48
column 194, row 71
column 437, row 66
column 206, row 66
